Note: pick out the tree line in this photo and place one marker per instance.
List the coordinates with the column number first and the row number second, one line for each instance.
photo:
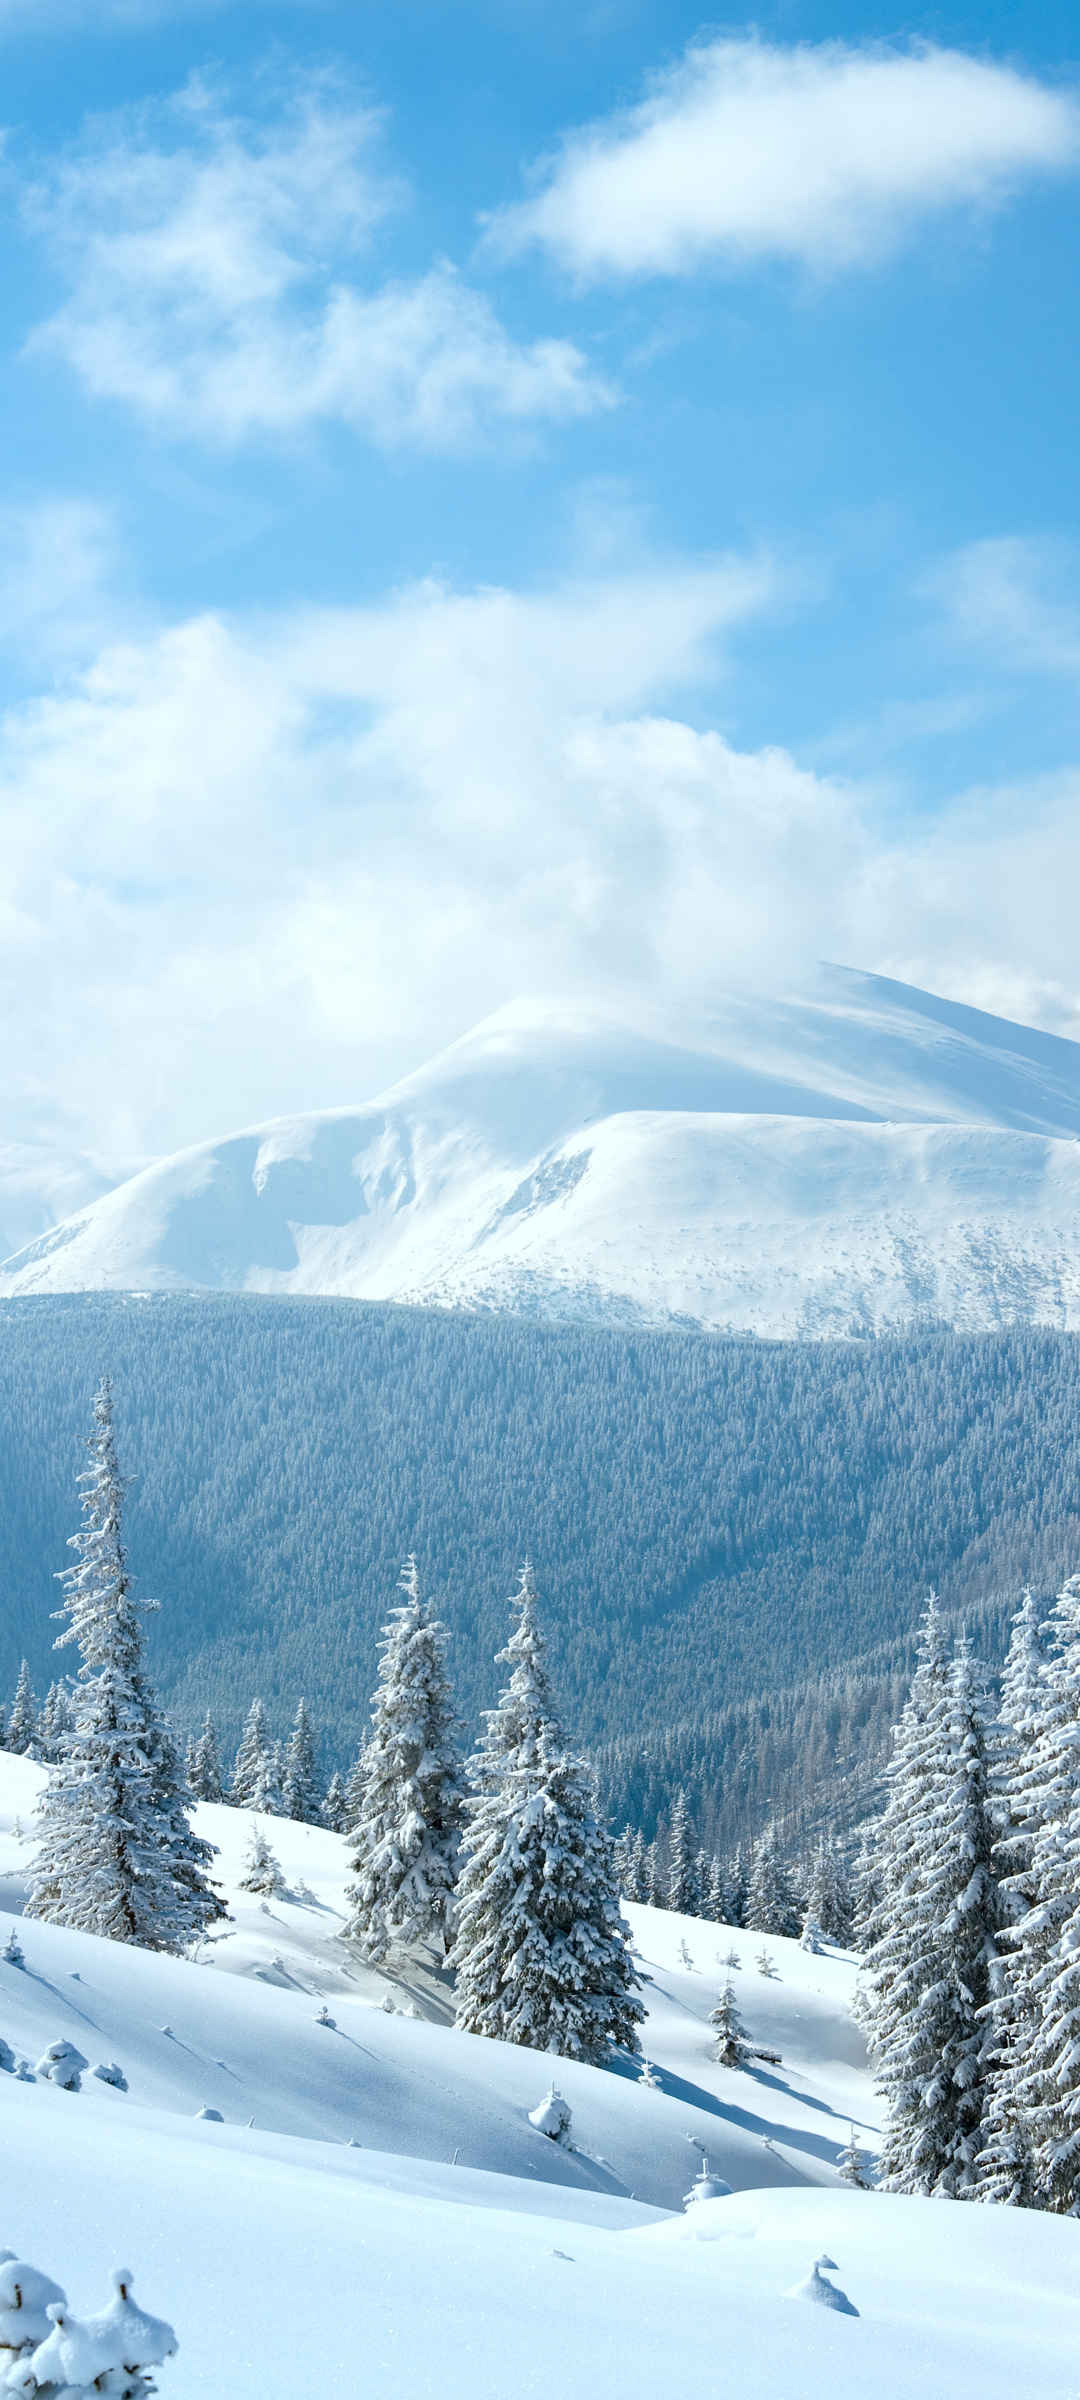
column 970, row 1913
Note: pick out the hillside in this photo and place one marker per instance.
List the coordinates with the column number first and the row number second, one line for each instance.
column 861, row 1157
column 281, row 2253
column 713, row 1522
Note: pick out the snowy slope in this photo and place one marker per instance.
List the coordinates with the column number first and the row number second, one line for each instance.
column 246, row 2042
column 862, row 1157
column 40, row 1183
column 292, row 2263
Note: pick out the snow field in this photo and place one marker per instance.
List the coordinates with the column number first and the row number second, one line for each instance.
column 290, row 2263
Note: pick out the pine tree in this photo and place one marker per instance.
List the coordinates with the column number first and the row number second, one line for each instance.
column 542, row 1953
column 730, row 2048
column 56, row 1723
column 254, row 1767
column 892, row 1843
column 929, row 2039
column 408, row 1830
column 655, row 1884
column 828, row 1894
column 262, row 1872
column 333, row 1807
column 300, row 1791
column 116, row 1855
column 23, row 1732
column 852, row 2164
column 1033, row 2139
column 354, row 1789
column 771, row 1901
column 681, row 1891
column 205, row 1776
column 638, row 1882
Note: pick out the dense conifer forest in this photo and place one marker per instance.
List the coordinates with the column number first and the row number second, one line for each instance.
column 732, row 1539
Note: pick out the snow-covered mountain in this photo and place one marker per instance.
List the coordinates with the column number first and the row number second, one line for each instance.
column 862, row 1156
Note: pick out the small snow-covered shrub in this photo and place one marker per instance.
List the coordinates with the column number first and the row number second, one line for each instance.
column 63, row 2064
column 46, row 2353
column 262, row 1873
column 12, row 1953
column 113, row 2074
column 649, row 2077
column 210, row 2116
column 817, row 2287
column 706, row 2186
column 323, row 2017
column 853, row 2163
column 552, row 2116
column 764, row 1964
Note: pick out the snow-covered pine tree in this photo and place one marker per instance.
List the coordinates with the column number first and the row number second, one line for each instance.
column 354, row 1789
column 262, row 1871
column 113, row 1858
column 681, row 1888
column 406, row 1837
column 929, row 2045
column 56, row 1722
column 188, row 1857
column 1005, row 2165
column 891, row 1846
column 205, row 1776
column 23, row 1731
column 853, row 2163
column 730, row 2046
column 254, row 1767
column 300, row 1790
column 623, row 1854
column 772, row 1904
column 638, row 1885
column 333, row 1807
column 542, row 1951
column 1032, row 2153
column 655, row 1882
column 828, row 1894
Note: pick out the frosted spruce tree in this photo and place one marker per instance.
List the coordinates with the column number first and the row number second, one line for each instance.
column 116, row 1855
column 333, row 1807
column 682, row 1892
column 301, row 1791
column 891, row 1861
column 542, row 1951
column 205, row 1775
column 22, row 1732
column 405, row 1837
column 1033, row 2138
column 828, row 1893
column 772, row 1904
column 253, row 1782
column 730, row 2046
column 927, row 2025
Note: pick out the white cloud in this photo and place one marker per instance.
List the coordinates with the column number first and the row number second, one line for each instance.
column 1016, row 600
column 212, row 264
column 827, row 156
column 269, row 863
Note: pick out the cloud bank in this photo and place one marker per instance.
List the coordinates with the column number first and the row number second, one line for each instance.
column 826, row 156
column 253, row 865
column 212, row 264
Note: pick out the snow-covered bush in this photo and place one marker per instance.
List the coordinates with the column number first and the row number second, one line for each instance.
column 46, row 2353
column 552, row 2116
column 649, row 2077
column 765, row 1966
column 112, row 2074
column 63, row 2064
column 12, row 1952
column 706, row 2186
column 818, row 2288
column 323, row 2017
column 852, row 2164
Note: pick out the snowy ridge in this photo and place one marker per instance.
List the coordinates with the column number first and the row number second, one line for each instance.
column 283, row 2256
column 862, row 1157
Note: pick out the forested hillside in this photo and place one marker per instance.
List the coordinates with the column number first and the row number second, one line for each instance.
column 714, row 1523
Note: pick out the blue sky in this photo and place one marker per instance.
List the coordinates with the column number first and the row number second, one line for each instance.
column 509, row 497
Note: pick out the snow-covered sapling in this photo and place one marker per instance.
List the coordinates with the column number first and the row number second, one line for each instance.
column 811, row 1937
column 25, row 2294
column 388, row 2007
column 764, row 1964
column 706, row 2186
column 262, row 1872
column 649, row 2077
column 731, row 1958
column 323, row 2017
column 12, row 1952
column 76, row 2358
column 552, row 2116
column 852, row 2164
column 210, row 2116
column 685, row 1959
column 64, row 2065
column 730, row 2047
